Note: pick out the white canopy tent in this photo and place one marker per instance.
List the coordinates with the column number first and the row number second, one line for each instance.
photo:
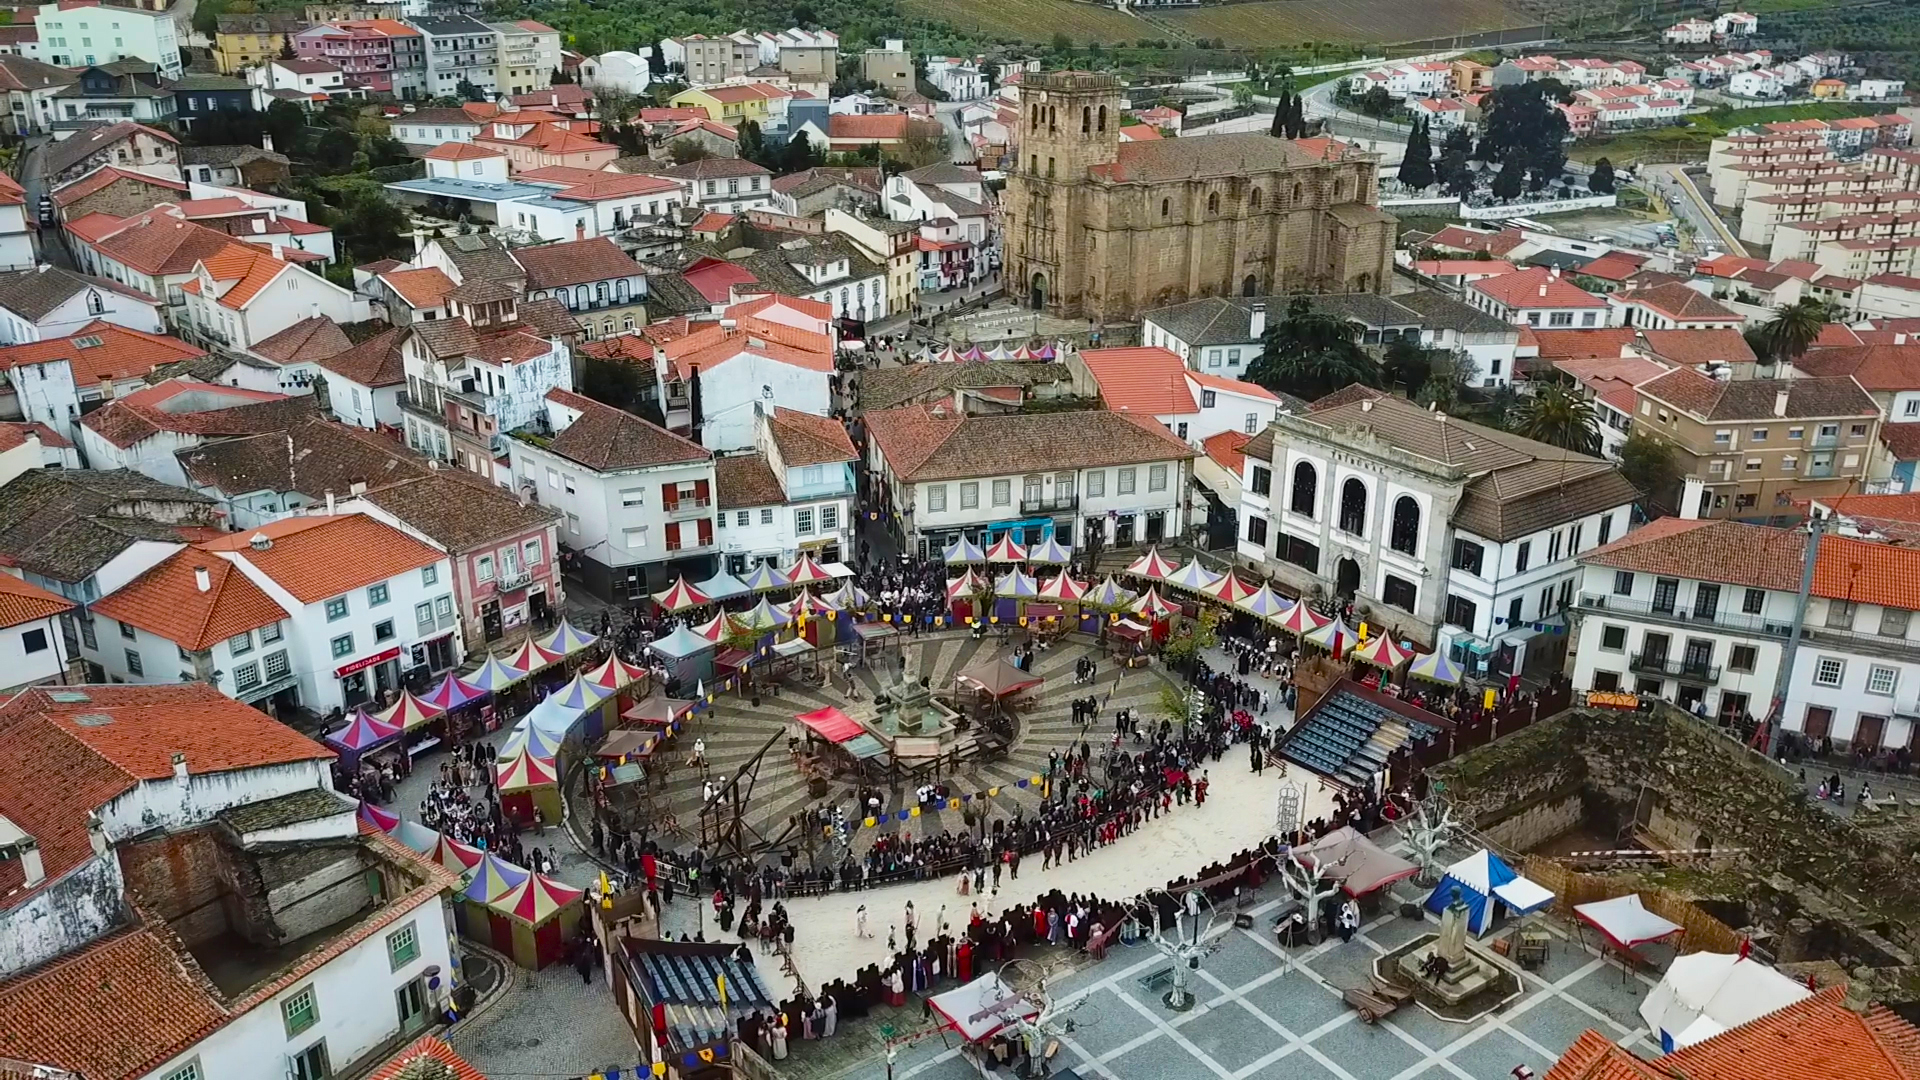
column 1626, row 921
column 1704, row 994
column 982, row 1008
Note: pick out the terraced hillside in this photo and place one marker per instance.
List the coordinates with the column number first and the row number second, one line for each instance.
column 734, row 730
column 1267, row 24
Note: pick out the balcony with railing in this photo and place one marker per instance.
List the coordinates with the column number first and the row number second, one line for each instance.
column 1683, row 669
column 1049, row 504
column 512, row 580
column 688, row 507
column 1677, row 615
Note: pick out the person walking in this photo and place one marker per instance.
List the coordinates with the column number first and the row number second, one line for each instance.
column 860, row 922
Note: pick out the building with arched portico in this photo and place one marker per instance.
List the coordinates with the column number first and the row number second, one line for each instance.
column 1442, row 531
column 1100, row 229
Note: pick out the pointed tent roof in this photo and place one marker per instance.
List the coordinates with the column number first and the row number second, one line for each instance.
column 680, row 596
column 526, row 737
column 1016, row 583
column 363, row 732
column 1151, row 565
column 1332, row 632
column 384, row 820
column 808, row 604
column 493, row 877
column 409, row 712
column 1382, row 652
column 614, row 673
column 452, row 693
column 1109, row 593
column 1193, row 576
column 1006, row 550
column 963, row 550
column 565, row 640
column 1044, row 352
column 998, row 677
column 848, row 595
column 722, row 586
column 525, row 771
column 496, row 675
column 580, row 694
column 684, row 642
column 1051, row 551
column 806, row 571
column 764, row 578
column 454, row 855
column 764, row 616
column 1434, row 667
column 973, row 355
column 1228, row 588
column 1062, row 587
column 658, row 709
column 531, row 657
column 1000, row 352
column 1301, row 619
column 721, row 627
column 1151, row 605
column 1265, row 603
column 967, row 584
column 536, row 899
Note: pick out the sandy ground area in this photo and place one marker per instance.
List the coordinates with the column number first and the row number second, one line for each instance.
column 1238, row 815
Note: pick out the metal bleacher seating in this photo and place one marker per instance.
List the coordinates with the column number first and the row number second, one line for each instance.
column 1338, row 739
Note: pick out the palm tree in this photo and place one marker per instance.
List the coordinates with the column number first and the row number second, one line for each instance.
column 1558, row 416
column 1793, row 329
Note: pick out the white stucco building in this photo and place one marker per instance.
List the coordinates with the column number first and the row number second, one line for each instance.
column 792, row 495
column 85, row 35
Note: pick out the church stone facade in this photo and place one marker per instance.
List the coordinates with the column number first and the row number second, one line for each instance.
column 1099, row 229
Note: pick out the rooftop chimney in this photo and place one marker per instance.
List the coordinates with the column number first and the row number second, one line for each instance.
column 179, row 766
column 329, row 502
column 96, row 833
column 202, row 580
column 1257, row 325
column 1780, row 403
column 260, row 541
column 31, row 865
column 266, row 142
column 259, row 226
column 359, row 487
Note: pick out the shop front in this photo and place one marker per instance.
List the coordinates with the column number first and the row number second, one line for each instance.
column 369, row 678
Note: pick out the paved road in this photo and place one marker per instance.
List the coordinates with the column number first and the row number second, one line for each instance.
column 1690, row 204
column 949, row 114
column 53, row 242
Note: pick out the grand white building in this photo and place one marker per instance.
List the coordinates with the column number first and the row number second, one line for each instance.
column 1445, row 531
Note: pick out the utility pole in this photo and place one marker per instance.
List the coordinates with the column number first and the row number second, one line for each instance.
column 1765, row 735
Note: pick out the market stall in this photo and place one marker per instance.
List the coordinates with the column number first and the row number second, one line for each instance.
column 454, row 695
column 875, row 641
column 565, row 640
column 525, row 736
column 363, row 734
column 987, row 1013
column 722, row 586
column 534, row 921
column 658, row 711
column 1358, row 864
column 688, row 656
column 1151, row 565
column 532, row 659
column 493, row 877
column 1484, row 881
column 764, row 578
column 529, row 788
column 680, row 596
column 597, row 707
column 1625, row 922
column 1703, row 994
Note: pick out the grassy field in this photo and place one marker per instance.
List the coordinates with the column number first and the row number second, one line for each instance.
column 1669, row 144
column 1271, row 24
column 1279, row 23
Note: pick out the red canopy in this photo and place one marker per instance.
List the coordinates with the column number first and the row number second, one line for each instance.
column 831, row 724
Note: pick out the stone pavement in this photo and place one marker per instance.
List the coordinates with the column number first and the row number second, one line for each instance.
column 1271, row 1013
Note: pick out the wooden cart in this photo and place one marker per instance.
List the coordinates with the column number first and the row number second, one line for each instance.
column 1376, row 1000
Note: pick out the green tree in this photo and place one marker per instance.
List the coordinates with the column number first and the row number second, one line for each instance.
column 468, row 91
column 686, row 150
column 1376, row 102
column 613, row 382
column 1242, row 95
column 206, row 15
column 749, row 143
column 1416, row 166
column 1448, row 375
column 1455, row 168
column 1557, row 415
column 1311, row 354
column 1406, row 364
column 1510, row 181
column 1600, row 181
column 335, row 150
column 1279, row 128
column 1793, row 329
column 799, row 155
column 1521, row 126
column 1647, row 461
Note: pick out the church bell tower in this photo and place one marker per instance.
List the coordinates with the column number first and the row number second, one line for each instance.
column 1069, row 123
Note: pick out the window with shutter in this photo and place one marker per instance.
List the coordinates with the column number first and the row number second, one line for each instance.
column 670, row 496
column 706, row 530
column 700, row 492
column 673, row 536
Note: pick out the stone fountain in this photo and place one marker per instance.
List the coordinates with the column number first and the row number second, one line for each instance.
column 1451, row 976
column 910, row 721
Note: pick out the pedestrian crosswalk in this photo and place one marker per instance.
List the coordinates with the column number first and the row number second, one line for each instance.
column 734, row 729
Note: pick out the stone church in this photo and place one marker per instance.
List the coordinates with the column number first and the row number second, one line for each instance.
column 1099, row 229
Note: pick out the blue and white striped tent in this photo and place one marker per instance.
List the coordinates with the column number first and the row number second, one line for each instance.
column 1483, row 878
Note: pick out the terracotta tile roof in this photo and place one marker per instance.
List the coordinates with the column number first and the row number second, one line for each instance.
column 375, row 362
column 758, row 304
column 65, row 524
column 1612, row 379
column 1233, row 386
column 307, row 340
column 870, row 126
column 1720, row 345
column 22, row 601
column 1681, row 547
column 158, row 244
column 1536, row 288
column 1677, row 302
column 318, row 557
column 37, row 293
column 617, row 186
column 458, row 509
column 1226, row 449
column 15, row 433
column 102, row 178
column 1346, row 395
column 459, row 151
column 428, row 1058
column 132, row 984
column 94, row 226
column 806, row 439
column 1904, row 508
column 309, row 458
column 125, row 421
column 1148, row 381
column 1877, row 367
column 167, row 601
column 249, row 268
column 574, row 262
column 744, row 480
column 708, row 349
column 604, row 438
column 1757, row 399
column 921, row 446
column 715, row 169
column 1614, row 266
column 1867, row 572
column 102, row 351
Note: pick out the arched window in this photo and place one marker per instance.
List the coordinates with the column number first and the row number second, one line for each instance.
column 1103, row 119
column 1250, row 287
column 1034, row 166
column 1353, row 507
column 600, row 292
column 606, row 327
column 1034, row 120
column 843, row 299
column 1253, row 200
column 1306, row 490
column 580, row 297
column 1297, row 191
column 1086, row 120
column 1213, row 202
column 620, row 290
column 1165, row 206
column 1405, row 534
column 95, row 305
column 1053, row 119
